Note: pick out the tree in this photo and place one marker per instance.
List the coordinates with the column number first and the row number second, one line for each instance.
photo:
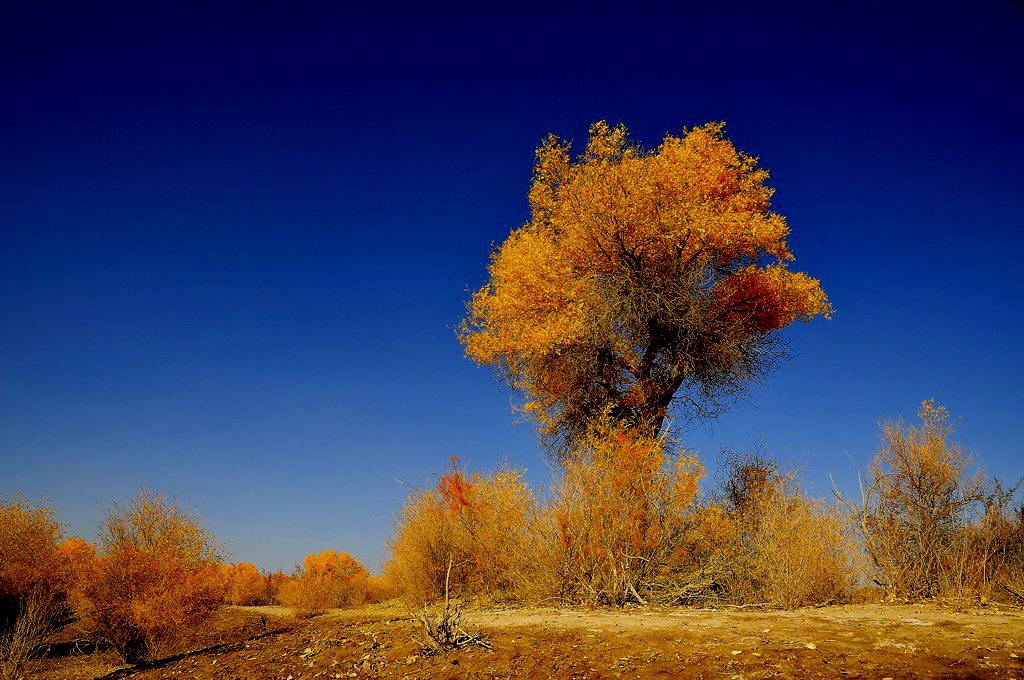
column 643, row 280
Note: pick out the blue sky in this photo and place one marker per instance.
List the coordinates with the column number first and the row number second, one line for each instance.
column 234, row 244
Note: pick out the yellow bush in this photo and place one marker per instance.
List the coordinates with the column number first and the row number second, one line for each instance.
column 773, row 545
column 621, row 507
column 156, row 576
column 799, row 553
column 325, row 580
column 483, row 524
column 929, row 527
column 245, row 585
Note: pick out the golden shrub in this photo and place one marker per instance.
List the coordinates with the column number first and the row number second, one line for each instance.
column 928, row 525
column 35, row 576
column 30, row 555
column 799, row 552
column 760, row 540
column 156, row 576
column 621, row 509
column 246, row 585
column 483, row 524
column 377, row 589
column 325, row 580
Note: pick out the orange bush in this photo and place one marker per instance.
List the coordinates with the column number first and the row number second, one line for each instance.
column 34, row 579
column 483, row 524
column 621, row 509
column 246, row 585
column 156, row 576
column 30, row 556
column 325, row 580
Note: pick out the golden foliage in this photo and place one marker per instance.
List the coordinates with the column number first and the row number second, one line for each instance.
column 482, row 524
column 155, row 577
column 246, row 585
column 796, row 552
column 621, row 508
column 917, row 501
column 325, row 580
column 35, row 575
column 929, row 527
column 760, row 540
column 639, row 273
column 30, row 555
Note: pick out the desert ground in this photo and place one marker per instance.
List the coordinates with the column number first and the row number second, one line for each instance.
column 854, row 641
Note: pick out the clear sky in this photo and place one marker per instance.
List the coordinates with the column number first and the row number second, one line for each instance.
column 235, row 242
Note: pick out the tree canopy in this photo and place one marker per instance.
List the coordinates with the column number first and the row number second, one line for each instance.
column 644, row 280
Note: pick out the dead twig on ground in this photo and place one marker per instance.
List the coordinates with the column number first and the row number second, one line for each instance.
column 443, row 631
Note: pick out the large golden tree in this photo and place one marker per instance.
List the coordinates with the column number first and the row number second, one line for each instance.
column 644, row 279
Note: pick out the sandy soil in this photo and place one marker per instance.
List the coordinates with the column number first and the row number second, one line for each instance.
column 862, row 641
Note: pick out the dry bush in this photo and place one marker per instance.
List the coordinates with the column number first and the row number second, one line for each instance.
column 246, row 586
column 986, row 558
column 34, row 579
column 155, row 578
column 798, row 552
column 325, row 580
column 381, row 589
column 37, row 618
column 484, row 523
column 621, row 509
column 917, row 507
column 442, row 628
column 761, row 541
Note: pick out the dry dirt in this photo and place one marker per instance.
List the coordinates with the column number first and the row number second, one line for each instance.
column 857, row 641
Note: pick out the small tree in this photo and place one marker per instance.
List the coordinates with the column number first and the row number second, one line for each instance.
column 156, row 577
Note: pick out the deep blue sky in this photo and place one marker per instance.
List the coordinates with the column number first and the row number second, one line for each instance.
column 234, row 243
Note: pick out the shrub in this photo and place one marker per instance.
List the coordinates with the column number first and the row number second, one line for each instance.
column 246, row 586
column 482, row 524
column 156, row 577
column 917, row 505
column 621, row 509
column 30, row 557
column 784, row 549
column 34, row 579
column 325, row 580
column 798, row 552
column 380, row 589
